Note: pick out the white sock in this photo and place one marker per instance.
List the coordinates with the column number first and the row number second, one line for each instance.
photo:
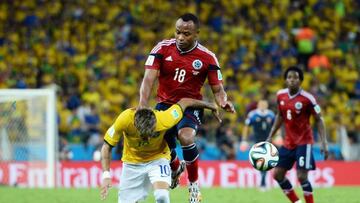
column 162, row 196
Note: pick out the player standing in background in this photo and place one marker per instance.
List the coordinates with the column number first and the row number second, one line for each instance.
column 181, row 66
column 295, row 106
column 261, row 119
column 146, row 154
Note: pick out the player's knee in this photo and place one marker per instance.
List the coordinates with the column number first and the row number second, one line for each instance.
column 302, row 176
column 278, row 176
column 186, row 136
column 186, row 140
column 162, row 196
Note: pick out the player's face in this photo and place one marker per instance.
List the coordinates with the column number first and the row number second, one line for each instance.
column 186, row 34
column 293, row 80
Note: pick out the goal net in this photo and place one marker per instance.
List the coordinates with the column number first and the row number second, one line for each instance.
column 28, row 137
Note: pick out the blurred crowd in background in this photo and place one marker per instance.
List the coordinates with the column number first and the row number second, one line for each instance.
column 93, row 52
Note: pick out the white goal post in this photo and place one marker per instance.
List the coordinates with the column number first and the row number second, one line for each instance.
column 28, row 137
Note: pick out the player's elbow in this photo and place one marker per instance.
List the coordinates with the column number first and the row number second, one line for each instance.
column 105, row 150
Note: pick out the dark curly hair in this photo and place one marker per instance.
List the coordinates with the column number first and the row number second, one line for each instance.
column 296, row 69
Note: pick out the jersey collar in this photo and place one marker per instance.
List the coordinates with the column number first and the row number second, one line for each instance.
column 262, row 113
column 293, row 96
column 184, row 52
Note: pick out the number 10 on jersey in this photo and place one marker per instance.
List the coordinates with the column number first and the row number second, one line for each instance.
column 179, row 75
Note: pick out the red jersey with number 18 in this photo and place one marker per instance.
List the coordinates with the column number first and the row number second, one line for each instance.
column 182, row 74
column 296, row 111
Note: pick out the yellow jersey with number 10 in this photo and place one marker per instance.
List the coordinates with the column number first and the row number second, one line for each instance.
column 136, row 150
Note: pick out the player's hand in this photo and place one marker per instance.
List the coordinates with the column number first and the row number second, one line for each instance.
column 324, row 150
column 105, row 186
column 228, row 106
column 215, row 112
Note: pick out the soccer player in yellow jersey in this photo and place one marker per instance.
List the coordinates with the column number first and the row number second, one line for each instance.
column 146, row 154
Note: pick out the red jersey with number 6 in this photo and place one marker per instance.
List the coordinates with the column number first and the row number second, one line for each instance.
column 296, row 111
column 182, row 74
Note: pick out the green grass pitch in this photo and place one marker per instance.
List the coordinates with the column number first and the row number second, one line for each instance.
column 210, row 195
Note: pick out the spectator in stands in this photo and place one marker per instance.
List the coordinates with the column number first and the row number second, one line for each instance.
column 225, row 140
column 61, row 38
column 305, row 39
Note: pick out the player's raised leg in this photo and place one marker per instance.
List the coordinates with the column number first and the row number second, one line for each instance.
column 177, row 166
column 191, row 155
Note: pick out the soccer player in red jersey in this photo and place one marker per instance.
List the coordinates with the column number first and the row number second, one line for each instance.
column 181, row 66
column 295, row 106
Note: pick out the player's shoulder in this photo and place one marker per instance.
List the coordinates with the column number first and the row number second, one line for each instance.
column 282, row 92
column 163, row 44
column 205, row 50
column 308, row 95
column 252, row 113
column 127, row 114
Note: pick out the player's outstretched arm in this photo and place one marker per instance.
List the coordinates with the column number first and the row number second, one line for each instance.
column 105, row 162
column 188, row 102
column 221, row 98
column 275, row 127
column 322, row 132
column 146, row 86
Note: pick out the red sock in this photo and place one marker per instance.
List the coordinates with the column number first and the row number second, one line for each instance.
column 192, row 169
column 309, row 197
column 291, row 195
column 174, row 165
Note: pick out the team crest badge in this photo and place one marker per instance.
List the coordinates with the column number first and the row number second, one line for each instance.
column 197, row 64
column 298, row 105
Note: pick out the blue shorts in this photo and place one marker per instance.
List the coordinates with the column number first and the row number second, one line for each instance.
column 302, row 155
column 192, row 118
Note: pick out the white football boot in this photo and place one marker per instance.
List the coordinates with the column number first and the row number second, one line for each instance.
column 194, row 193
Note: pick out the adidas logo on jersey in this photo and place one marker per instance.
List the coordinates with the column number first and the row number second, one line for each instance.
column 169, row 58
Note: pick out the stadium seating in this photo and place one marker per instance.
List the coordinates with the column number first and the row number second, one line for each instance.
column 85, row 49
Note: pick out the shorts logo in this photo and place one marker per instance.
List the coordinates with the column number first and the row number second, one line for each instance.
column 282, row 103
column 196, row 114
column 298, row 105
column 197, row 64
